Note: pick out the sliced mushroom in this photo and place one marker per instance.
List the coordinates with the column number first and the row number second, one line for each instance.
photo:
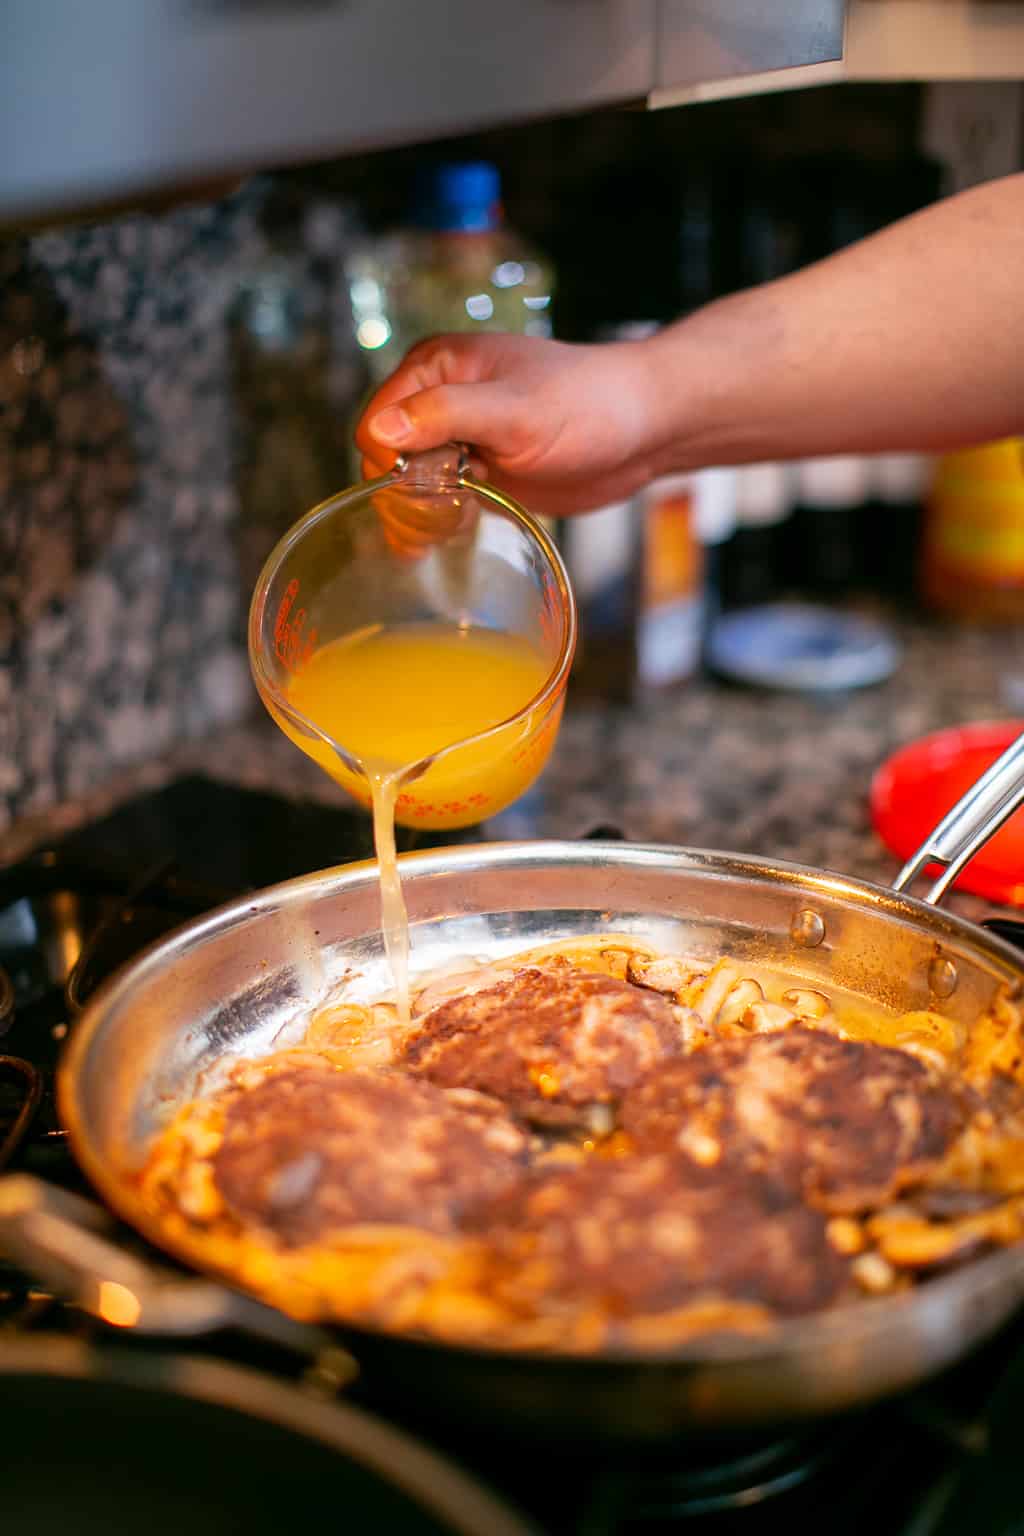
column 714, row 991
column 913, row 1243
column 873, row 1273
column 767, row 1018
column 807, row 1004
column 741, row 996
column 617, row 961
column 667, row 975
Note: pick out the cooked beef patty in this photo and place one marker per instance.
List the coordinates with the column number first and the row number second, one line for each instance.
column 310, row 1150
column 846, row 1121
column 549, row 1044
column 640, row 1235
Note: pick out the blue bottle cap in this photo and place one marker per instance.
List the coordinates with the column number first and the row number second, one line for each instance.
column 464, row 196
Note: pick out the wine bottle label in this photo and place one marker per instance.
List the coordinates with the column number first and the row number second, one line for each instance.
column 670, row 622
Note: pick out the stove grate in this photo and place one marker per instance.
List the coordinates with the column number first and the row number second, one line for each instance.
column 21, row 1092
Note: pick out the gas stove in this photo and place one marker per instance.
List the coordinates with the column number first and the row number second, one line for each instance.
column 939, row 1462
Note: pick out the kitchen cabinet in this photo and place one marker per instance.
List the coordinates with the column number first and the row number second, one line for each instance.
column 926, row 40
column 703, row 41
column 106, row 101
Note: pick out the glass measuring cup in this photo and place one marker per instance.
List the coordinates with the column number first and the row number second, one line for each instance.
column 426, row 545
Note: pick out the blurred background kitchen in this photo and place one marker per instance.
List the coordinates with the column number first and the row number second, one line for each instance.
column 200, row 279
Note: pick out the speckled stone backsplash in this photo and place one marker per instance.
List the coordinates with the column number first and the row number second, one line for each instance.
column 123, row 569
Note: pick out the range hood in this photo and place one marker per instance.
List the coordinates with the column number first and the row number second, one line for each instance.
column 99, row 103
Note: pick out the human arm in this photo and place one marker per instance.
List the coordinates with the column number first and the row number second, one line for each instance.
column 912, row 339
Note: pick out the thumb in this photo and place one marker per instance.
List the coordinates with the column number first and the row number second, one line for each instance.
column 486, row 415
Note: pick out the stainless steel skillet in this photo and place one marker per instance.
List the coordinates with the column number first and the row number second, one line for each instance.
column 230, row 983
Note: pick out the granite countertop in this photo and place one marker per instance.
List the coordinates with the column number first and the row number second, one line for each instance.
column 780, row 775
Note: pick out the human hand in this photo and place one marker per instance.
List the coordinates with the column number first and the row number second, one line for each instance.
column 560, row 428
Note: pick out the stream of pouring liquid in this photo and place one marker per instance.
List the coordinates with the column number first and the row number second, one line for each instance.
column 394, row 919
column 395, row 696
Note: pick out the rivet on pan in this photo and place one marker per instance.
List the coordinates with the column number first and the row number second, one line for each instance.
column 942, row 976
column 807, row 928
column 331, row 1371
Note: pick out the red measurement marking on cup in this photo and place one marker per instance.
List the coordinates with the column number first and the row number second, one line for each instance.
column 537, row 745
column 281, row 622
column 292, row 646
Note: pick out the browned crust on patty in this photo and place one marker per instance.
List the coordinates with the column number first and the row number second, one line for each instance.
column 312, row 1150
column 847, row 1122
column 548, row 1044
column 640, row 1235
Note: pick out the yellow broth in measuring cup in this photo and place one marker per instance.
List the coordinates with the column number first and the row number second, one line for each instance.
column 398, row 695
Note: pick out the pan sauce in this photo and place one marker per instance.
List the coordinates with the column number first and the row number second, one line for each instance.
column 598, row 1232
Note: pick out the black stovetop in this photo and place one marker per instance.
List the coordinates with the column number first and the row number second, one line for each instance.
column 939, row 1462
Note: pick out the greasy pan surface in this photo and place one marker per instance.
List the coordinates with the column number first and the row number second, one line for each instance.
column 224, row 988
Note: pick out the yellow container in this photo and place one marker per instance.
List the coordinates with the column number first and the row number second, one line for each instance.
column 972, row 556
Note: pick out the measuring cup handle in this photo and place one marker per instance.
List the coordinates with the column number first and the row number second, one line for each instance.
column 435, row 468
column 965, row 829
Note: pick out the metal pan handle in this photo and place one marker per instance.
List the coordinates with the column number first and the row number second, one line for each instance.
column 975, row 818
column 63, row 1240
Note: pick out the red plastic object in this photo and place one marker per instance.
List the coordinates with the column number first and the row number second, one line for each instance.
column 914, row 789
